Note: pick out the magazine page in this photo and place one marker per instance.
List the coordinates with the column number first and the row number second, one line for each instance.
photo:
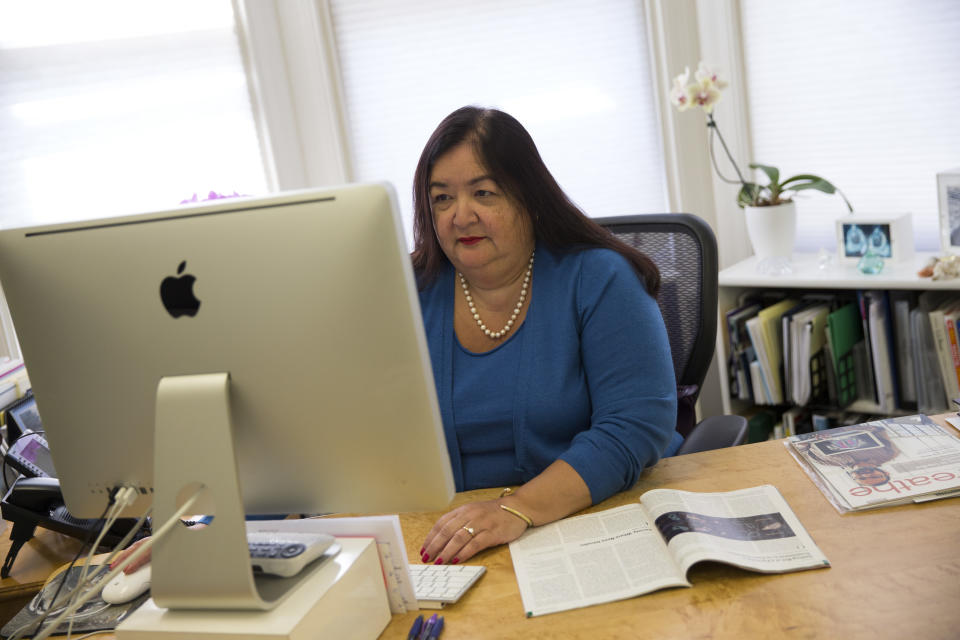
column 750, row 528
column 589, row 559
column 879, row 463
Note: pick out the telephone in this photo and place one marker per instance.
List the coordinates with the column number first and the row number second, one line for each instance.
column 30, row 455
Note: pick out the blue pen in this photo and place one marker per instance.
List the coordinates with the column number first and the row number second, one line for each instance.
column 437, row 629
column 415, row 629
column 427, row 628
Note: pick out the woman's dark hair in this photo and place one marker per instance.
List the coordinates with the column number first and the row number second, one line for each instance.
column 510, row 156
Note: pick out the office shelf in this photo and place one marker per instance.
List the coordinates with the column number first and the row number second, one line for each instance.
column 808, row 276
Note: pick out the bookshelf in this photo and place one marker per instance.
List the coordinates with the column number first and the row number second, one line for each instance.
column 808, row 276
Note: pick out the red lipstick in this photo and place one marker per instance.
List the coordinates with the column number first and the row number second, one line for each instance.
column 470, row 240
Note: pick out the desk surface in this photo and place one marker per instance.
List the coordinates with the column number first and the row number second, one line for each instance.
column 895, row 573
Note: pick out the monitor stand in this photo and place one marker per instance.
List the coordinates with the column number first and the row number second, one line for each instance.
column 344, row 599
column 209, row 568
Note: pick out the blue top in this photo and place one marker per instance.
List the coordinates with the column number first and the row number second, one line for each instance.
column 482, row 419
column 587, row 378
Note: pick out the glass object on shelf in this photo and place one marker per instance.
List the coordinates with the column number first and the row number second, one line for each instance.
column 775, row 266
column 872, row 262
column 824, row 259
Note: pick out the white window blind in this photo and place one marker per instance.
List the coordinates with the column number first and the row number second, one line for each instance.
column 576, row 75
column 108, row 106
column 863, row 93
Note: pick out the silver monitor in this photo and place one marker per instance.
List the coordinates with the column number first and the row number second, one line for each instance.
column 306, row 300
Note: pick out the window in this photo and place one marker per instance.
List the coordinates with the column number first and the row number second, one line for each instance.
column 575, row 74
column 862, row 93
column 112, row 107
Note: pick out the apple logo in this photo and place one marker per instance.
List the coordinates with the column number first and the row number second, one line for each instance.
column 176, row 293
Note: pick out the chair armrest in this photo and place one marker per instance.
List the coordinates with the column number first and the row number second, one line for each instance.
column 715, row 432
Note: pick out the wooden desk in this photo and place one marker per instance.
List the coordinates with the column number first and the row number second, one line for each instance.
column 895, row 573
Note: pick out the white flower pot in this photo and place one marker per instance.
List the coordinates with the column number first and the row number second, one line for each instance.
column 772, row 230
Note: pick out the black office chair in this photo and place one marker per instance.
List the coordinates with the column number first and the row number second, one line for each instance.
column 685, row 250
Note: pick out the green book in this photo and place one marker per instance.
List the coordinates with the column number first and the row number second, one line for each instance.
column 845, row 330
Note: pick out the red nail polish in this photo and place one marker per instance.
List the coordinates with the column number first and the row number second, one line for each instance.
column 455, row 561
column 425, row 558
column 439, row 561
column 423, row 550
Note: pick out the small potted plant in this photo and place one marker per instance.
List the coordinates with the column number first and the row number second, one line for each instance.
column 769, row 208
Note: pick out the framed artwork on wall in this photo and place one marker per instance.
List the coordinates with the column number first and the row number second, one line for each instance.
column 948, row 197
column 889, row 237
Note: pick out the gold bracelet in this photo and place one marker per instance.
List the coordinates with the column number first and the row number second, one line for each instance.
column 506, row 492
column 518, row 514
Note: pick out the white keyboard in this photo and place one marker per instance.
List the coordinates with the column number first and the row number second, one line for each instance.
column 439, row 584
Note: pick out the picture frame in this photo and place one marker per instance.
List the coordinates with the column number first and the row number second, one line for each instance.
column 890, row 237
column 948, row 198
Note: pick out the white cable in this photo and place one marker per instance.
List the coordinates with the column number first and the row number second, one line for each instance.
column 141, row 550
column 90, row 593
column 112, row 514
column 111, row 517
column 108, row 519
column 121, row 500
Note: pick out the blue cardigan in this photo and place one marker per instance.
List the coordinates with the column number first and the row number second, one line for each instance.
column 596, row 386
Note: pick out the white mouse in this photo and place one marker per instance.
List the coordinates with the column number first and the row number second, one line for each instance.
column 127, row 586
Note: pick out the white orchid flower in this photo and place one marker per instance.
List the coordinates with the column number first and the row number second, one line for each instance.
column 680, row 96
column 704, row 94
column 706, row 73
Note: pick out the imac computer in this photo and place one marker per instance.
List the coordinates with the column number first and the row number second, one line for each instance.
column 270, row 350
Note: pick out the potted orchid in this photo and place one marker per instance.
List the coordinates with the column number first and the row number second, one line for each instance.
column 771, row 235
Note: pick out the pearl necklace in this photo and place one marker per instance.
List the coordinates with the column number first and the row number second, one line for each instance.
column 495, row 335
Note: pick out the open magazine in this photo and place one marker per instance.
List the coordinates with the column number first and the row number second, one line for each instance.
column 651, row 544
column 881, row 463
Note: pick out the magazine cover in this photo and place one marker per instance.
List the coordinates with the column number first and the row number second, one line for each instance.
column 880, row 463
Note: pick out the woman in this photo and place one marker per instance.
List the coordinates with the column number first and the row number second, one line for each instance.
column 551, row 360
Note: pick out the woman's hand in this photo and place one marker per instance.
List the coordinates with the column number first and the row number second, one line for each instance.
column 136, row 564
column 458, row 535
column 451, row 541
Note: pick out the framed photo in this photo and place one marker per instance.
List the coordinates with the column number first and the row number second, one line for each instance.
column 948, row 195
column 890, row 237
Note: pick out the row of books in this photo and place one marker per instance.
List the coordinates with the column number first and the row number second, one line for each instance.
column 895, row 350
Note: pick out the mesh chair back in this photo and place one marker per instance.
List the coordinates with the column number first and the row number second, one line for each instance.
column 684, row 248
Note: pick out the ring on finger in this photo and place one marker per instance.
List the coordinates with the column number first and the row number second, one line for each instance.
column 469, row 530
